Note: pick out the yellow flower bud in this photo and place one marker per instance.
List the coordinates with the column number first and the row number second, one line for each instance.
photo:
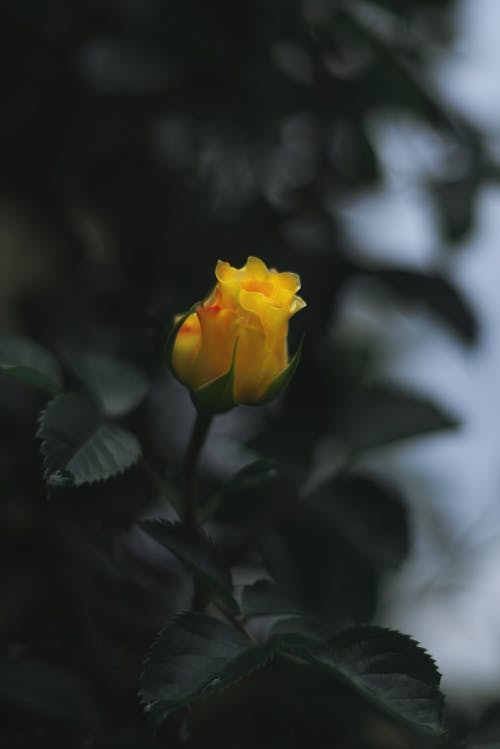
column 240, row 329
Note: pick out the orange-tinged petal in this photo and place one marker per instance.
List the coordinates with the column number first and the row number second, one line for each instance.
column 262, row 287
column 217, row 342
column 185, row 349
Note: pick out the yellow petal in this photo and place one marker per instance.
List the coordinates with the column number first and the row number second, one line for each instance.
column 185, row 349
column 217, row 342
column 288, row 281
column 270, row 315
column 297, row 304
column 256, row 366
column 223, row 271
column 251, row 304
column 255, row 268
column 254, row 301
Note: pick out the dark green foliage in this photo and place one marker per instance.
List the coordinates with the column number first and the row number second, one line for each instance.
column 456, row 201
column 485, row 734
column 140, row 141
column 368, row 513
column 252, row 476
column 380, row 414
column 116, row 384
column 264, row 598
column 197, row 552
column 300, row 631
column 433, row 291
column 79, row 446
column 47, row 691
column 354, row 522
column 237, row 496
column 389, row 669
column 29, row 363
column 196, row 656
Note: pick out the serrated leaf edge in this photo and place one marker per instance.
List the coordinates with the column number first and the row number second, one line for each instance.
column 47, row 473
column 268, row 652
column 313, row 658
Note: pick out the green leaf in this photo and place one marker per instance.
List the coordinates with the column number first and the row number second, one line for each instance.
column 456, row 202
column 79, row 447
column 27, row 362
column 46, row 690
column 196, row 656
column 383, row 414
column 399, row 84
column 319, row 569
column 388, row 669
column 435, row 292
column 281, row 382
column 265, row 598
column 118, row 385
column 485, row 733
column 298, row 632
column 193, row 657
column 251, row 476
column 198, row 554
column 217, row 396
column 369, row 513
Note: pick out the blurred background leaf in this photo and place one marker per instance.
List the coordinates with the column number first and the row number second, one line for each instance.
column 79, row 447
column 140, row 141
column 117, row 385
column 29, row 363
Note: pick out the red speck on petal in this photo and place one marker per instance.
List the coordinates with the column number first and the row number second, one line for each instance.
column 215, row 306
column 187, row 328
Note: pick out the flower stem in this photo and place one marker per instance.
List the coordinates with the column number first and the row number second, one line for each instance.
column 189, row 469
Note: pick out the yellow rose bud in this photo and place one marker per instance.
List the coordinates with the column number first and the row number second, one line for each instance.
column 240, row 330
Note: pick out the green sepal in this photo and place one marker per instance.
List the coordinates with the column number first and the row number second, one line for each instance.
column 171, row 338
column 281, row 382
column 217, row 396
